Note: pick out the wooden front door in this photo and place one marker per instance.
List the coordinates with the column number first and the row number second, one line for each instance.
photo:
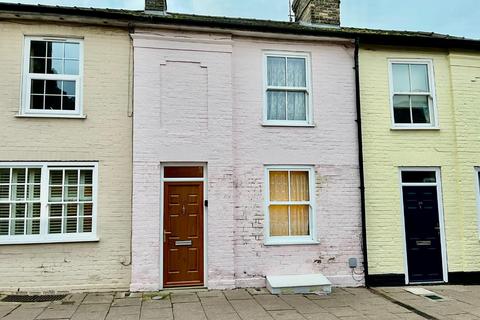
column 422, row 230
column 183, row 234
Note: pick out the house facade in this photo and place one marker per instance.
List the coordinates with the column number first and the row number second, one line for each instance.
column 420, row 147
column 65, row 160
column 245, row 160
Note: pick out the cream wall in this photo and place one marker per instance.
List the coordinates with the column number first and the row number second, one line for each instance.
column 104, row 136
column 453, row 148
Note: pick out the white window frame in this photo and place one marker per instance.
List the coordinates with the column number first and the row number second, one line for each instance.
column 290, row 240
column 44, row 237
column 308, row 89
column 432, row 101
column 27, row 77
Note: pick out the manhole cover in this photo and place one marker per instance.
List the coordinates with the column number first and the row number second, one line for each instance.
column 42, row 298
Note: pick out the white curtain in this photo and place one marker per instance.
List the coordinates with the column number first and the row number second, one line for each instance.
column 296, row 106
column 276, row 101
column 296, row 76
column 276, row 71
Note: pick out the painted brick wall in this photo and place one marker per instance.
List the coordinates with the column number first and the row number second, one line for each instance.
column 104, row 136
column 453, row 148
column 216, row 82
column 465, row 73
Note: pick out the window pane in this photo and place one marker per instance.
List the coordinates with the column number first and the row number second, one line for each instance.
column 53, row 102
column 418, row 176
column 55, row 50
column 37, row 65
column 296, row 107
column 401, row 109
column 55, row 66
column 3, row 227
column 276, row 71
column 87, row 224
column 55, row 194
column 18, row 175
column 276, row 104
column 85, row 209
column 36, row 102
column 4, row 210
column 38, row 86
column 419, row 77
column 278, row 185
column 183, row 172
column 401, row 77
column 4, row 175
column 71, row 67
column 33, row 192
column 86, row 177
column 68, row 103
column 299, row 186
column 296, row 76
column 56, row 177
column 34, row 210
column 18, row 192
column 17, row 227
column 420, row 109
column 53, row 87
column 4, row 189
column 18, row 210
column 55, row 226
column 72, row 50
column 38, row 49
column 71, row 193
column 34, row 175
column 71, row 177
column 299, row 224
column 278, row 220
column 69, row 88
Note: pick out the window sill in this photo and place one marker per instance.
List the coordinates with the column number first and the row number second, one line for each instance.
column 55, row 116
column 32, row 240
column 271, row 242
column 304, row 125
column 415, row 128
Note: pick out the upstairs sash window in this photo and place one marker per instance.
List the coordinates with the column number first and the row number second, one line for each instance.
column 52, row 76
column 287, row 90
column 412, row 94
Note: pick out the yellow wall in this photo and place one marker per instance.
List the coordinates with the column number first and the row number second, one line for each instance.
column 104, row 136
column 454, row 148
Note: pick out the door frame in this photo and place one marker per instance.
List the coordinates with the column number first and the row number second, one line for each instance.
column 205, row 211
column 441, row 217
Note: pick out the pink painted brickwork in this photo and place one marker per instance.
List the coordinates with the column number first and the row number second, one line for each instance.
column 199, row 98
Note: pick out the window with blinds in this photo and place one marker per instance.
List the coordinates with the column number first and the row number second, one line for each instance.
column 52, row 77
column 47, row 202
column 289, row 203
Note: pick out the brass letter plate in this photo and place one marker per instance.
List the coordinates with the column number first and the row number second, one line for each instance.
column 183, row 243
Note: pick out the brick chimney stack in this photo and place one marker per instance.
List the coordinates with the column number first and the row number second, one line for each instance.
column 156, row 5
column 322, row 12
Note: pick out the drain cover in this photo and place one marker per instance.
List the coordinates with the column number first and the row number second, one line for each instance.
column 433, row 297
column 42, row 298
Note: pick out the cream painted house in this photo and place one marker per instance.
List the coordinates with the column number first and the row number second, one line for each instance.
column 420, row 121
column 65, row 156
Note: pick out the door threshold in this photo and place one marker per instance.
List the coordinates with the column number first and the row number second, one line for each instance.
column 185, row 289
column 427, row 283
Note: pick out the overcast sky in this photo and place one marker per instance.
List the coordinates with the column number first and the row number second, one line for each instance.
column 458, row 17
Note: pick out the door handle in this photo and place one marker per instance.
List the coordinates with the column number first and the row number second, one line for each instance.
column 165, row 233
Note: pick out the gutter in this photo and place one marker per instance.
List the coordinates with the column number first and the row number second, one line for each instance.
column 360, row 162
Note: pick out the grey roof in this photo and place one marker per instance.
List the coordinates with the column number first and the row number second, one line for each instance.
column 133, row 17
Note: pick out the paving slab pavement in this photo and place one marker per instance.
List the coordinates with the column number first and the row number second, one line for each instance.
column 460, row 303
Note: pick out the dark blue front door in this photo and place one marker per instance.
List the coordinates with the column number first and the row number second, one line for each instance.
column 422, row 230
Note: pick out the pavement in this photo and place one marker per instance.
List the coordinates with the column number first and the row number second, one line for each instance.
column 254, row 304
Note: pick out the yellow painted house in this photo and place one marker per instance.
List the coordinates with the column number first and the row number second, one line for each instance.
column 420, row 112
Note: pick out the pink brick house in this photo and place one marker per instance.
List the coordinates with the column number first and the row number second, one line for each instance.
column 245, row 160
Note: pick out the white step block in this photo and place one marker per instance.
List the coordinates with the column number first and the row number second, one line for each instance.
column 305, row 283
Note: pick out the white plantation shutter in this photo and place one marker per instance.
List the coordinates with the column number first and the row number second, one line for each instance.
column 67, row 194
